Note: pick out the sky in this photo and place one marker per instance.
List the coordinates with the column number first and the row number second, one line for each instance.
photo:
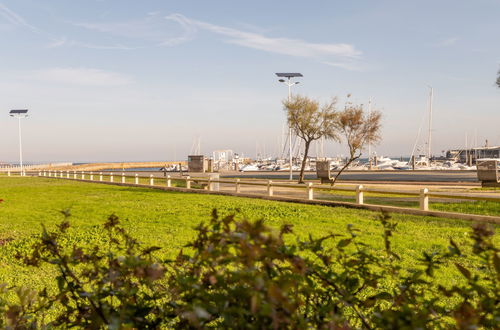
column 124, row 80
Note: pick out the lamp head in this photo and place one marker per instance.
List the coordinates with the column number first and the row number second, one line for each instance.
column 281, row 80
column 21, row 113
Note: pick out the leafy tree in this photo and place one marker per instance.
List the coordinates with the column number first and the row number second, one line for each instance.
column 358, row 129
column 310, row 122
column 498, row 79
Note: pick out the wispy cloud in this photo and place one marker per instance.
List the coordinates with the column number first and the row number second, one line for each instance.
column 447, row 42
column 81, row 76
column 286, row 46
column 16, row 20
column 153, row 28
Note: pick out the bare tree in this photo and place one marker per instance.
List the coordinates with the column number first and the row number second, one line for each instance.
column 358, row 128
column 310, row 122
column 498, row 79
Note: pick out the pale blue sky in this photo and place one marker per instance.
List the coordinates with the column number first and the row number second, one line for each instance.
column 139, row 80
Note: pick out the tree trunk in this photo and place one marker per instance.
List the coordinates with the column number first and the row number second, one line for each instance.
column 302, row 168
column 344, row 167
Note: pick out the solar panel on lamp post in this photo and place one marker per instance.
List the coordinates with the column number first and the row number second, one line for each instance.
column 19, row 114
column 289, row 84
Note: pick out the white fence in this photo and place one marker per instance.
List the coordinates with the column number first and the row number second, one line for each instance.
column 234, row 186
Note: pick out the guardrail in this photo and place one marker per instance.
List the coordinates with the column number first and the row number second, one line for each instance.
column 211, row 184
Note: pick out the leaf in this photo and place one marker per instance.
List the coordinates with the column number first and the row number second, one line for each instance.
column 344, row 242
column 151, row 249
column 465, row 272
column 496, row 262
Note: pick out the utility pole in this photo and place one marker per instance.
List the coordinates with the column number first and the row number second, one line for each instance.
column 19, row 114
column 289, row 84
column 429, row 141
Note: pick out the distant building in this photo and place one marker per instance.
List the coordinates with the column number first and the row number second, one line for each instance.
column 461, row 155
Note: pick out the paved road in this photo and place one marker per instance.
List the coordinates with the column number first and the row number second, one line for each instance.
column 393, row 176
column 468, row 177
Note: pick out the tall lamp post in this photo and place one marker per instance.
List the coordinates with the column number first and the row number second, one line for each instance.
column 289, row 83
column 19, row 114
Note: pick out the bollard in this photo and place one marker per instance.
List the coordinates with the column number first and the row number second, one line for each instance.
column 44, row 173
column 188, row 182
column 136, row 178
column 100, row 176
column 169, row 181
column 83, row 175
column 91, row 176
column 151, row 180
column 67, row 174
column 111, row 177
column 310, row 191
column 123, row 177
column 61, row 174
column 74, row 174
column 269, row 188
column 39, row 173
column 424, row 199
column 8, row 173
column 237, row 186
column 359, row 194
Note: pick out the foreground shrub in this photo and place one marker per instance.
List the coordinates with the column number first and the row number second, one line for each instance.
column 242, row 274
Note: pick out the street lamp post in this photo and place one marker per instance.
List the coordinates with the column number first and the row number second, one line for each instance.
column 19, row 114
column 289, row 84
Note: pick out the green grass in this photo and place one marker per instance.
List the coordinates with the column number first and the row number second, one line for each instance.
column 167, row 219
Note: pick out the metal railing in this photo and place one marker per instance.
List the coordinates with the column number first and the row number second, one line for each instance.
column 309, row 189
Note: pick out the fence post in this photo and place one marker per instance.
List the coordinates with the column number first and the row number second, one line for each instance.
column 238, row 186
column 151, row 180
column 8, row 173
column 209, row 185
column 169, row 181
column 123, row 177
column 91, row 176
column 424, row 199
column 74, row 174
column 188, row 182
column 83, row 175
column 359, row 194
column 310, row 191
column 111, row 177
column 100, row 176
column 269, row 188
column 39, row 173
column 67, row 174
column 61, row 173
column 136, row 178
column 44, row 173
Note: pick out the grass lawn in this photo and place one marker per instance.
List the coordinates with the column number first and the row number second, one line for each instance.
column 166, row 219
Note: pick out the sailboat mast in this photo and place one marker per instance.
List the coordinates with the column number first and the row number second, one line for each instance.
column 429, row 141
column 369, row 143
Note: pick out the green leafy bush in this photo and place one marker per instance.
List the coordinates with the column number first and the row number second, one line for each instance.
column 243, row 274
